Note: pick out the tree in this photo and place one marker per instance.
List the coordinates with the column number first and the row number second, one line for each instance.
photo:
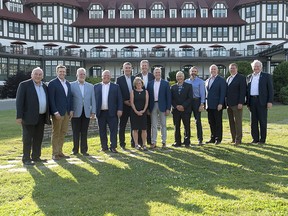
column 280, row 78
column 12, row 82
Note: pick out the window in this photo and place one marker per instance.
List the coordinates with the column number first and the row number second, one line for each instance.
column 220, row 10
column 204, row 32
column 96, row 33
column 219, row 32
column 68, row 31
column 13, row 66
column 235, row 32
column 250, row 11
column 96, row 12
column 142, row 33
column 272, row 9
column 3, row 66
column 189, row 32
column 126, row 12
column 67, row 13
column 204, row 12
column 173, row 13
column 14, row 27
column 111, row 33
column 142, row 13
column 111, row 14
column 158, row 11
column 1, row 25
column 173, row 32
column 47, row 30
column 47, row 11
column 32, row 30
column 81, row 33
column 127, row 33
column 272, row 28
column 15, row 6
column 250, row 29
column 158, row 32
column 188, row 11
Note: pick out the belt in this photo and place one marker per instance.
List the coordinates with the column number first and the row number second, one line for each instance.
column 254, row 96
column 105, row 110
column 155, row 101
column 196, row 99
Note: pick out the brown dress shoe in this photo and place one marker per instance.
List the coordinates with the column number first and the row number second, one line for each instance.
column 61, row 155
column 55, row 157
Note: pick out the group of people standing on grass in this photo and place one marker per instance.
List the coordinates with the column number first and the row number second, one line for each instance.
column 146, row 99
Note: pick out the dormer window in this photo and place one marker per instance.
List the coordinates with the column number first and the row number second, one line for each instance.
column 15, row 6
column 158, row 11
column 173, row 13
column 126, row 11
column 96, row 12
column 204, row 12
column 188, row 11
column 219, row 10
column 142, row 13
column 111, row 14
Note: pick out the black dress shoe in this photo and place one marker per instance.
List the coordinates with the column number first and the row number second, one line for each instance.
column 217, row 142
column 176, row 145
column 28, row 163
column 40, row 160
column 200, row 143
column 85, row 154
column 261, row 143
column 104, row 149
column 113, row 150
column 74, row 153
column 187, row 145
column 254, row 142
column 210, row 141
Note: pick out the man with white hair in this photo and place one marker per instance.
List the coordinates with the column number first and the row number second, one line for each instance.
column 32, row 113
column 83, row 107
column 259, row 100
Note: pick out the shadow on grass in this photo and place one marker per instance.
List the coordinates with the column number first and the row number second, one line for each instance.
column 131, row 183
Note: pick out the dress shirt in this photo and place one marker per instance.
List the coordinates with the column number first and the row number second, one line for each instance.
column 128, row 81
column 198, row 88
column 63, row 82
column 156, row 89
column 105, row 93
column 145, row 80
column 230, row 79
column 82, row 86
column 41, row 97
column 211, row 80
column 254, row 91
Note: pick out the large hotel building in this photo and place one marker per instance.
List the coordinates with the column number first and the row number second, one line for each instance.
column 172, row 34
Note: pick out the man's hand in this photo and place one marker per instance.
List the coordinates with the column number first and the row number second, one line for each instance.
column 19, row 121
column 119, row 113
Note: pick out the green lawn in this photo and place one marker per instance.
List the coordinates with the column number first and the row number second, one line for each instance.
column 208, row 180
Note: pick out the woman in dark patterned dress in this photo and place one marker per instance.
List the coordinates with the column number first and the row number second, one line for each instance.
column 139, row 102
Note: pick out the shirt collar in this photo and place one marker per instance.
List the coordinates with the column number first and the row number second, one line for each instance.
column 108, row 84
column 37, row 84
column 80, row 83
column 62, row 81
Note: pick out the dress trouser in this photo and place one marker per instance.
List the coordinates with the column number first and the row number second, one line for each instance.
column 185, row 118
column 258, row 116
column 80, row 129
column 59, row 130
column 215, row 122
column 154, row 123
column 235, row 123
column 32, row 136
column 197, row 117
column 122, row 125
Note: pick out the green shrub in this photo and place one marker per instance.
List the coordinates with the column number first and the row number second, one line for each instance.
column 283, row 95
column 93, row 80
column 280, row 78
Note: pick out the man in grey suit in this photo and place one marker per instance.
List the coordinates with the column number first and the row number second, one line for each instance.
column 32, row 113
column 83, row 107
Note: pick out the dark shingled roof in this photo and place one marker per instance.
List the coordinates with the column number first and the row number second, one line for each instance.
column 65, row 2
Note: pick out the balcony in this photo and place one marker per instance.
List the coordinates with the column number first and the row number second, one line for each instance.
column 126, row 53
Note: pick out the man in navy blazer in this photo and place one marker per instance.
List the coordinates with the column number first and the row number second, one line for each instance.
column 109, row 107
column 32, row 113
column 235, row 99
column 259, row 100
column 125, row 83
column 159, row 105
column 83, row 108
column 146, row 76
column 60, row 101
column 215, row 103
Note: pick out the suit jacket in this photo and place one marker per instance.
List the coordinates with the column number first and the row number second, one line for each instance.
column 121, row 81
column 164, row 97
column 266, row 91
column 216, row 94
column 236, row 91
column 115, row 101
column 88, row 102
column 150, row 77
column 58, row 100
column 184, row 98
column 27, row 103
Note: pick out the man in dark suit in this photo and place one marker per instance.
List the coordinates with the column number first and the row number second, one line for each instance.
column 146, row 76
column 32, row 113
column 235, row 99
column 109, row 107
column 259, row 100
column 125, row 83
column 215, row 101
column 159, row 106
column 83, row 107
column 60, row 101
column 182, row 96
